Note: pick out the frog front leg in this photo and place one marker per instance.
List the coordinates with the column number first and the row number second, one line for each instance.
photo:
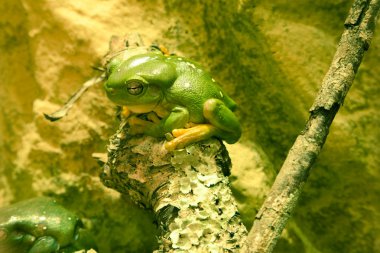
column 156, row 127
column 222, row 124
column 142, row 126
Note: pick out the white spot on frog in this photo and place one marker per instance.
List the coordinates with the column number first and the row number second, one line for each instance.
column 186, row 85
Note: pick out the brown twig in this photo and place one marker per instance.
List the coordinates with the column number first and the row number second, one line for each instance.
column 283, row 196
column 62, row 112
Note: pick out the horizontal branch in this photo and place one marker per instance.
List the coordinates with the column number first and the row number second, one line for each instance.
column 187, row 190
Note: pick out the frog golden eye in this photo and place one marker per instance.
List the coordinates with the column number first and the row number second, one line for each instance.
column 135, row 87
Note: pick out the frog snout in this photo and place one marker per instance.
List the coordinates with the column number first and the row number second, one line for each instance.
column 109, row 90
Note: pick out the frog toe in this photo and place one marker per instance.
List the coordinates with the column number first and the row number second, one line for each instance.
column 125, row 112
column 170, row 145
column 45, row 244
column 153, row 117
column 179, row 132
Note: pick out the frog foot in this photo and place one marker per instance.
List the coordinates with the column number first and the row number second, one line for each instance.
column 125, row 112
column 152, row 116
column 186, row 136
column 137, row 125
column 150, row 126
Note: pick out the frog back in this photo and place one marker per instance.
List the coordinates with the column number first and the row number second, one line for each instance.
column 193, row 87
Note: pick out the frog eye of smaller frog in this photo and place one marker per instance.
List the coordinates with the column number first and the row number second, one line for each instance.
column 135, row 87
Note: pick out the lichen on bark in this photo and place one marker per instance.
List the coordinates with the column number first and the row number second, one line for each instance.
column 187, row 189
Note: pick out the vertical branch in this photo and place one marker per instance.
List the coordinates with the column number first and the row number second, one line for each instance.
column 284, row 194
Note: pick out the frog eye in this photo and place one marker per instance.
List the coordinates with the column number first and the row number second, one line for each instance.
column 135, row 87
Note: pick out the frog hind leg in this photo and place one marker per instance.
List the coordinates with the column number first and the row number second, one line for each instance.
column 219, row 115
column 186, row 136
column 224, row 125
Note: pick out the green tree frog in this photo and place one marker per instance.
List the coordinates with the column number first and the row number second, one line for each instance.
column 177, row 95
column 40, row 225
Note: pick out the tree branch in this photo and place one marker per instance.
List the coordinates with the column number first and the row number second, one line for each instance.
column 283, row 196
column 187, row 189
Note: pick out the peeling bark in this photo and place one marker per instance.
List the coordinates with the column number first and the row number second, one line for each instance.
column 188, row 191
column 283, row 196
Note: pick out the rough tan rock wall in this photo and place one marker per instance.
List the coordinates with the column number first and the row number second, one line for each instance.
column 270, row 56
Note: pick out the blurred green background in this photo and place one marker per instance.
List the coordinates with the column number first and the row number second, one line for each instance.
column 270, row 56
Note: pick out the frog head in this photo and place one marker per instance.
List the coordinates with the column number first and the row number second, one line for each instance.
column 134, row 92
column 139, row 81
column 113, row 60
